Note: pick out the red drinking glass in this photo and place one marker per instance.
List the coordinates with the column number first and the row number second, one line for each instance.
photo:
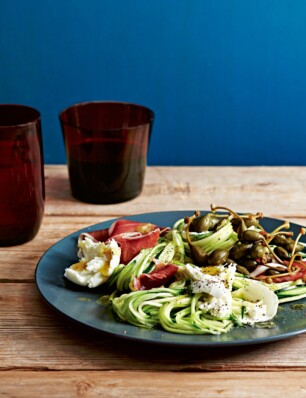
column 106, row 146
column 21, row 174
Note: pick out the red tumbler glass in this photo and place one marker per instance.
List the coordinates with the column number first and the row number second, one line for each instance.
column 21, row 174
column 106, row 145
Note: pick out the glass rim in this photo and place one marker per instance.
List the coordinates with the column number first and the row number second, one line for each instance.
column 36, row 115
column 84, row 103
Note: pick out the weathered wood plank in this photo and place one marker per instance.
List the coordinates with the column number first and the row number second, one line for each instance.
column 34, row 336
column 277, row 191
column 152, row 385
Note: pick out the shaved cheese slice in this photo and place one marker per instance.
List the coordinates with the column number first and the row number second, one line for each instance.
column 254, row 303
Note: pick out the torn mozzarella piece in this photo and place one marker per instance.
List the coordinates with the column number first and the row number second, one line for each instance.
column 210, row 285
column 220, row 308
column 216, row 285
column 254, row 303
column 218, row 299
column 89, row 248
column 98, row 263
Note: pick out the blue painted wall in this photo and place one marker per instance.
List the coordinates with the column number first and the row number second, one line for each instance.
column 226, row 79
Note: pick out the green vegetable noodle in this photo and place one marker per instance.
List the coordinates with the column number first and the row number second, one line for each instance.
column 207, row 274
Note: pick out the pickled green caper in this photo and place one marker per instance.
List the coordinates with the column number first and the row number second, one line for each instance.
column 214, row 221
column 248, row 263
column 218, row 257
column 281, row 252
column 239, row 250
column 290, row 245
column 198, row 255
column 258, row 251
column 200, row 224
column 204, row 223
column 250, row 235
column 280, row 240
column 242, row 270
column 251, row 222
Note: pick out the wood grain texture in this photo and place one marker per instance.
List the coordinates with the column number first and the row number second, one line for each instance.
column 276, row 191
column 112, row 384
column 34, row 336
column 44, row 354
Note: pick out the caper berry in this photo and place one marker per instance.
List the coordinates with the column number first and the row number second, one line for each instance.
column 248, row 263
column 281, row 252
column 251, row 236
column 258, row 251
column 239, row 250
column 198, row 255
column 204, row 223
column 242, row 270
column 251, row 222
column 290, row 245
column 238, row 225
column 280, row 240
column 218, row 257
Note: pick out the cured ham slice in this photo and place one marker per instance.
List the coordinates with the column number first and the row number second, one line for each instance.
column 126, row 226
column 132, row 236
column 157, row 278
column 100, row 236
column 132, row 245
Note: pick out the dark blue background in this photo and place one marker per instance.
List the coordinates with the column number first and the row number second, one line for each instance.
column 226, row 79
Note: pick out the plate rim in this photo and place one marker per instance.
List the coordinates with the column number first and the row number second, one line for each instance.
column 189, row 342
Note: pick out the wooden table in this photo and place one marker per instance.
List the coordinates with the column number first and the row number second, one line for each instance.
column 42, row 354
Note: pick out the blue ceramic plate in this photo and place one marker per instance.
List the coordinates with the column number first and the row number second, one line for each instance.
column 83, row 305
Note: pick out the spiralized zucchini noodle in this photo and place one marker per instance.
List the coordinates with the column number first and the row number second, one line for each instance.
column 207, row 274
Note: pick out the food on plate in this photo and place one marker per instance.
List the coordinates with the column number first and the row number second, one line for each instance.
column 97, row 262
column 206, row 274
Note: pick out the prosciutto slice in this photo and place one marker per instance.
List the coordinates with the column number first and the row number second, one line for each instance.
column 132, row 236
column 126, row 226
column 98, row 236
column 157, row 278
column 132, row 244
